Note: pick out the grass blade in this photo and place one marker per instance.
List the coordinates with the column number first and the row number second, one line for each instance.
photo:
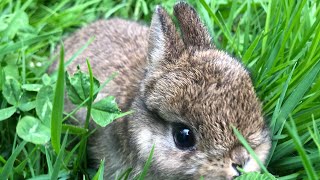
column 147, row 165
column 83, row 143
column 57, row 109
column 59, row 160
column 99, row 174
column 251, row 151
column 250, row 50
column 125, row 175
column 292, row 130
column 7, row 169
column 49, row 162
column 296, row 96
column 5, row 49
column 220, row 24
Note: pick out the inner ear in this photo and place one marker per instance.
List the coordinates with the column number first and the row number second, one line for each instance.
column 164, row 41
column 194, row 33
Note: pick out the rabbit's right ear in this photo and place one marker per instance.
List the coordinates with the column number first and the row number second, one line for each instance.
column 164, row 41
column 194, row 33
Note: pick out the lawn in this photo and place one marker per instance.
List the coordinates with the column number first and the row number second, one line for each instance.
column 277, row 40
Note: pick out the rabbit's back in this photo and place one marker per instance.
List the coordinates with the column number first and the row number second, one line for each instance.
column 118, row 46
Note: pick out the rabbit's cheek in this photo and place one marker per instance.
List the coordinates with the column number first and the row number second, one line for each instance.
column 161, row 139
column 262, row 152
column 251, row 166
column 144, row 142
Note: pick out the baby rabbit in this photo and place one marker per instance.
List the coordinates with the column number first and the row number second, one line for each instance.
column 185, row 94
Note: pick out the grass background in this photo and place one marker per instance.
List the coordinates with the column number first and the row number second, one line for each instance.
column 278, row 41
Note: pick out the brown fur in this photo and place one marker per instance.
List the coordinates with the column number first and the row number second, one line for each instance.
column 166, row 79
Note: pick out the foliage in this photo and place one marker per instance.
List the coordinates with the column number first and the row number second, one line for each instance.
column 278, row 42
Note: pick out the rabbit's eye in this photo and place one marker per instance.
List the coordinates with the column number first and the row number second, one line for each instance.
column 183, row 137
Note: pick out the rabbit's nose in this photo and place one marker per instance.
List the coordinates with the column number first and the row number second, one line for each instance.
column 234, row 165
column 233, row 171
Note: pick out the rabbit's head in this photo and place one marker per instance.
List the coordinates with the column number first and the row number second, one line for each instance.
column 190, row 98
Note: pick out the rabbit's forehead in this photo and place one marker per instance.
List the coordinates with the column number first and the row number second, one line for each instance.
column 204, row 97
column 207, row 107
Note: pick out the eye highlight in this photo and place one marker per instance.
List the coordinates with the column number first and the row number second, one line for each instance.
column 183, row 137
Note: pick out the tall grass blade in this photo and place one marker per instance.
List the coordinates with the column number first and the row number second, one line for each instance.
column 59, row 160
column 296, row 96
column 8, row 167
column 147, row 165
column 99, row 174
column 83, row 143
column 57, row 109
column 251, row 151
column 292, row 130
column 125, row 175
column 5, row 49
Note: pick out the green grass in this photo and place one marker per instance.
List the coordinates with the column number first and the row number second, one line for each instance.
column 278, row 41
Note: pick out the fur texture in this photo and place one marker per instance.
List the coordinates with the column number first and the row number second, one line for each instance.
column 168, row 78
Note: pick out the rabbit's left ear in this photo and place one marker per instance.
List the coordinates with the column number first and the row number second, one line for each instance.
column 193, row 30
column 164, row 40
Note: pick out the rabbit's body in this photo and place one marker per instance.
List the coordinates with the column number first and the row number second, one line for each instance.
column 185, row 95
column 118, row 46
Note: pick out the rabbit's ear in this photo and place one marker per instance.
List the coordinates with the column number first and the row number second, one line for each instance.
column 193, row 30
column 164, row 41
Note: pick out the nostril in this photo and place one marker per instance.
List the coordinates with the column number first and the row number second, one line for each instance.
column 234, row 165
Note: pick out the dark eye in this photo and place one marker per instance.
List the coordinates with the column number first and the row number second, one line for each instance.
column 183, row 137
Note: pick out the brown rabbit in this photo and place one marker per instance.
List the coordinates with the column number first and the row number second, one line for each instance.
column 185, row 94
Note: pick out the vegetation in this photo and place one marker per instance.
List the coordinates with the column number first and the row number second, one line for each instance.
column 278, row 41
